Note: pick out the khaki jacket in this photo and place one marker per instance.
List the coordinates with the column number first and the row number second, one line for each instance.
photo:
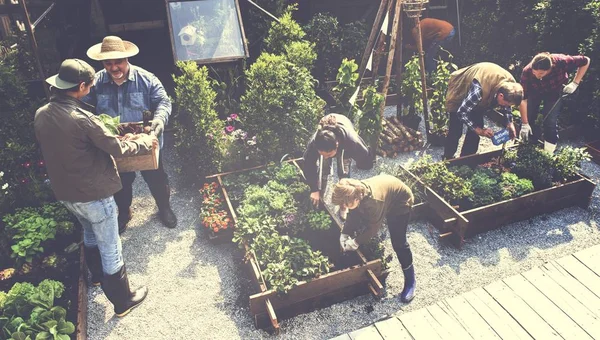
column 489, row 75
column 388, row 196
column 77, row 149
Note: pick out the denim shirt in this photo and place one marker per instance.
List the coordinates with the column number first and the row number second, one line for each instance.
column 141, row 91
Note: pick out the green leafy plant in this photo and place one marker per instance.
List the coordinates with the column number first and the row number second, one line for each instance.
column 111, row 123
column 439, row 82
column 280, row 104
column 567, row 162
column 301, row 53
column 200, row 139
column 513, row 186
column 486, row 189
column 369, row 121
column 441, row 180
column 319, row 220
column 346, row 86
column 284, row 32
column 529, row 161
column 411, row 88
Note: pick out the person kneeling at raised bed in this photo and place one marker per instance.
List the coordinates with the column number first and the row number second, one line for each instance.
column 77, row 149
column 369, row 201
column 472, row 91
column 335, row 137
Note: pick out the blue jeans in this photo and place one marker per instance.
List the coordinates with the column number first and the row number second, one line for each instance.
column 432, row 51
column 550, row 126
column 100, row 229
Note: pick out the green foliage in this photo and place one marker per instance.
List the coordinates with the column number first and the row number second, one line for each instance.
column 441, row 180
column 399, row 172
column 439, row 81
column 257, row 24
column 284, row 32
column 23, row 297
column 346, row 86
column 411, row 88
column 463, row 171
column 281, row 106
column 319, row 220
column 301, row 53
column 486, row 189
column 567, row 162
column 513, row 186
column 533, row 163
column 199, row 141
column 111, row 123
column 335, row 42
column 369, row 121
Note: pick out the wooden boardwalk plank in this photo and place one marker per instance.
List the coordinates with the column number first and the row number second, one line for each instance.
column 367, row 333
column 468, row 317
column 573, row 287
column 545, row 308
column 519, row 310
column 392, row 328
column 590, row 257
column 560, row 297
column 453, row 327
column 344, row 336
column 582, row 273
column 495, row 315
column 417, row 323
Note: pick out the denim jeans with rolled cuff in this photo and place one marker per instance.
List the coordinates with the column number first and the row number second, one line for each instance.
column 100, row 229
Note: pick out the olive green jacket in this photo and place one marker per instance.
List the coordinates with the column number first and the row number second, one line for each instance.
column 388, row 196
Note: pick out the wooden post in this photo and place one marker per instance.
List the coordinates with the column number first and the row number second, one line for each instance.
column 34, row 47
column 379, row 48
column 390, row 60
column 399, row 65
column 423, row 78
column 372, row 36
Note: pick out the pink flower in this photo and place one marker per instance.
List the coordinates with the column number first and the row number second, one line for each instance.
column 27, row 165
column 41, row 163
column 233, row 116
column 229, row 128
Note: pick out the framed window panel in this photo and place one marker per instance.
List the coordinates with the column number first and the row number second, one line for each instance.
column 206, row 31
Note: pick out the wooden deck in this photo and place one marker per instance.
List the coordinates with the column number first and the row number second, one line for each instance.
column 559, row 300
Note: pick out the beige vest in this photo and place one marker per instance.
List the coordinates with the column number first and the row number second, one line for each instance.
column 489, row 75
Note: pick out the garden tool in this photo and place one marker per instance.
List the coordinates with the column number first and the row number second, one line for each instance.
column 73, row 247
column 554, row 107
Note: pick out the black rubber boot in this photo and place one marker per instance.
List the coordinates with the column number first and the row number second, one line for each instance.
column 124, row 218
column 94, row 264
column 162, row 196
column 117, row 290
column 408, row 293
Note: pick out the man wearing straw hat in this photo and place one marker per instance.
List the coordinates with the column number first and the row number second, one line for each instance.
column 77, row 149
column 125, row 90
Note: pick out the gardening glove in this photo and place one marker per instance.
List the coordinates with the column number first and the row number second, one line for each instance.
column 158, row 126
column 570, row 88
column 348, row 243
column 144, row 143
column 525, row 132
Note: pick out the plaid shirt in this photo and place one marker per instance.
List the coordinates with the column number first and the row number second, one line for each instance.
column 470, row 102
column 551, row 84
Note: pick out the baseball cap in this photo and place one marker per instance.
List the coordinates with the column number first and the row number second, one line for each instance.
column 71, row 73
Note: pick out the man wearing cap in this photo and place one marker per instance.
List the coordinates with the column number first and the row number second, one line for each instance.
column 77, row 149
column 125, row 90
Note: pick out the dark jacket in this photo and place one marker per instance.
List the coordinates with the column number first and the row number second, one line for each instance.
column 77, row 149
column 388, row 196
column 349, row 141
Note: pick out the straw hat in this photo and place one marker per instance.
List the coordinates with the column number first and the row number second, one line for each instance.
column 112, row 47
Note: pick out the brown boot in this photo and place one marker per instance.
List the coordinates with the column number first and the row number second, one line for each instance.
column 117, row 290
column 94, row 264
column 162, row 196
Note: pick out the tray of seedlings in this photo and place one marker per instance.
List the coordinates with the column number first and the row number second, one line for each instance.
column 473, row 194
column 291, row 249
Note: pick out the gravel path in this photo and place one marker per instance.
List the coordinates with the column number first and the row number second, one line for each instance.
column 200, row 291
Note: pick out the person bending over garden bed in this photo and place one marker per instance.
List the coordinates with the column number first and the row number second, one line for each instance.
column 370, row 201
column 335, row 137
column 472, row 91
column 543, row 80
column 77, row 149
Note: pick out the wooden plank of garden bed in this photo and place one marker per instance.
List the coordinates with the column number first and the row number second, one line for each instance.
column 582, row 273
column 322, row 285
column 231, row 210
column 593, row 148
column 82, row 299
column 548, row 200
column 577, row 311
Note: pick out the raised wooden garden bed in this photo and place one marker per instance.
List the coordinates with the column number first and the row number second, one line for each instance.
column 351, row 275
column 593, row 148
column 458, row 225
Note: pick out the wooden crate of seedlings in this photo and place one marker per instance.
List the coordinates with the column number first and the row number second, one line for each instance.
column 147, row 161
column 320, row 277
column 593, row 148
column 215, row 214
column 491, row 202
column 396, row 138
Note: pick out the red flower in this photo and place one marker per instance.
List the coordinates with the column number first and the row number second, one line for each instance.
column 229, row 128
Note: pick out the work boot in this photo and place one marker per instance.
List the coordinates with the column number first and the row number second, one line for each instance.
column 124, row 218
column 162, row 196
column 94, row 264
column 408, row 293
column 117, row 290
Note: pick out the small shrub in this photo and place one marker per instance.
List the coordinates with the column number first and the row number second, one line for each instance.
column 301, row 53
column 513, row 186
column 567, row 162
column 284, row 32
column 437, row 176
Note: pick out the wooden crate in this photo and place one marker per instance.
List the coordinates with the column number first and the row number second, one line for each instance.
column 458, row 225
column 593, row 148
column 147, row 161
column 268, row 307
